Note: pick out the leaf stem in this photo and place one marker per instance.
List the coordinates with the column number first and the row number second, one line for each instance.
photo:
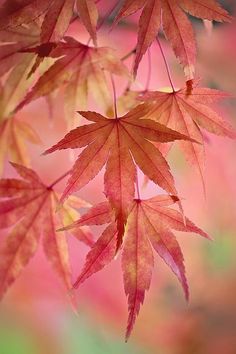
column 149, row 73
column 166, row 64
column 114, row 96
column 59, row 179
column 137, row 187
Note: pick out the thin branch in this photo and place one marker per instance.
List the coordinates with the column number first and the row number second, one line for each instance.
column 166, row 64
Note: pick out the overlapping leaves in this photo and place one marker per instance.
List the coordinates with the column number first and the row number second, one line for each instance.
column 80, row 69
column 15, row 41
column 13, row 131
column 119, row 143
column 54, row 14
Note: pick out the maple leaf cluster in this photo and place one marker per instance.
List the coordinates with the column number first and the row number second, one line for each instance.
column 39, row 56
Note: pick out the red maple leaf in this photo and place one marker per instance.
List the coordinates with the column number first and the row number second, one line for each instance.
column 187, row 113
column 149, row 226
column 170, row 15
column 29, row 206
column 56, row 15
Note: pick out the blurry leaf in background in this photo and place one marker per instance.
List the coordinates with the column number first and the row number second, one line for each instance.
column 14, row 134
column 84, row 337
column 220, row 254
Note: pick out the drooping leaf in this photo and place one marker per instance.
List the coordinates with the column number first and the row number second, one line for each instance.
column 188, row 112
column 79, row 69
column 175, row 24
column 149, row 226
column 119, row 143
column 28, row 206
column 137, row 264
column 150, row 223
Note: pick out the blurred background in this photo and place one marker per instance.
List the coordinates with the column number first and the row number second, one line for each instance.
column 36, row 315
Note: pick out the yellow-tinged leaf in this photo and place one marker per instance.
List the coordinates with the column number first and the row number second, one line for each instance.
column 14, row 134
